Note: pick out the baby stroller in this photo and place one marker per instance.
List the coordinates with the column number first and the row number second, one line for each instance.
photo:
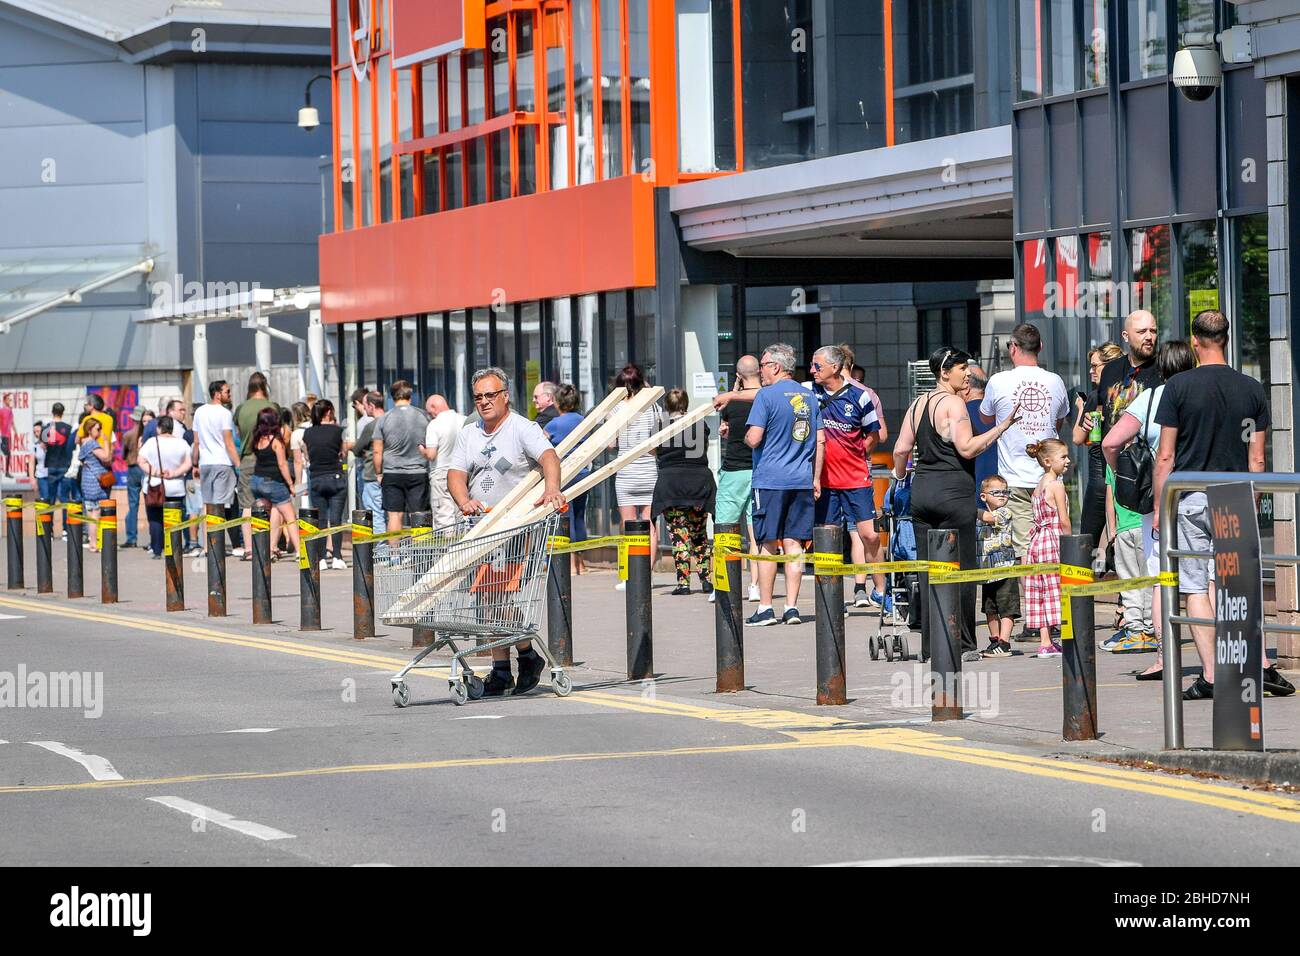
column 903, row 588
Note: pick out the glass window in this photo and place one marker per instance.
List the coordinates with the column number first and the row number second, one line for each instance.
column 526, row 140
column 482, row 357
column 389, row 368
column 477, row 150
column 452, row 163
column 500, row 141
column 1149, row 250
column 498, row 37
column 1195, row 16
column 588, row 374
column 555, row 103
column 1061, row 13
column 384, row 150
column 1097, row 297
column 562, row 357
column 777, row 82
column 408, row 366
column 1147, row 39
column 638, row 35
column 615, row 336
column 611, row 88
column 369, row 354
column 706, row 111
column 1252, row 303
column 584, row 141
column 525, row 88
column 342, row 31
column 347, row 172
column 432, row 105
column 405, row 106
column 459, row 353
column 1199, row 254
column 431, row 161
column 1031, row 45
column 1033, row 279
column 643, row 328
column 365, row 158
column 474, row 88
column 505, row 350
column 454, row 116
column 351, row 369
column 435, row 368
column 1094, row 44
column 934, row 78
column 531, row 331
column 1067, row 352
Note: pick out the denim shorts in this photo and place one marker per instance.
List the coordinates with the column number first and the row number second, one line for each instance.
column 276, row 492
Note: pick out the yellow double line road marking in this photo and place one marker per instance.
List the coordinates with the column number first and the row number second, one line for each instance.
column 804, row 730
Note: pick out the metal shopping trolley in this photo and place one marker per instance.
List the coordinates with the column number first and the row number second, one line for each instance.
column 487, row 588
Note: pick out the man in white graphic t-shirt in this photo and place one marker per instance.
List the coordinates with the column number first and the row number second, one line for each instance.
column 1043, row 403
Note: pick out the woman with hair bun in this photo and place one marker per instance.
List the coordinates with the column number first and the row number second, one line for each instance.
column 1042, row 605
column 937, row 432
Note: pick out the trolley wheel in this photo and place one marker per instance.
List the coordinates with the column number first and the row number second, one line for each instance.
column 561, row 684
column 401, row 695
column 900, row 642
column 474, row 683
column 889, row 647
column 459, row 692
column 873, row 645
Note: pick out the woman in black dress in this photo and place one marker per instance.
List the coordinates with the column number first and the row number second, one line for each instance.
column 685, row 494
column 937, row 432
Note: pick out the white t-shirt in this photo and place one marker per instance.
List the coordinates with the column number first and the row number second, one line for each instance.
column 1043, row 402
column 174, row 452
column 1144, row 409
column 496, row 463
column 440, row 436
column 209, row 422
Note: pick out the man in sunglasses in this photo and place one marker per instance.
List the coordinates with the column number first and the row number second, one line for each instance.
column 492, row 456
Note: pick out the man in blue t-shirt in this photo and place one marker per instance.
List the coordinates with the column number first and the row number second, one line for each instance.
column 785, row 430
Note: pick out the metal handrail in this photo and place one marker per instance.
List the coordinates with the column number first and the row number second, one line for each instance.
column 1175, row 486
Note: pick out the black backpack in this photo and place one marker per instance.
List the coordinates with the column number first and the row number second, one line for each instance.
column 1135, row 472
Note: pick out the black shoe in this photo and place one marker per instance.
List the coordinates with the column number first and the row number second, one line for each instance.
column 497, row 683
column 1200, row 689
column 1276, row 684
column 1155, row 675
column 998, row 648
column 530, row 672
column 681, row 589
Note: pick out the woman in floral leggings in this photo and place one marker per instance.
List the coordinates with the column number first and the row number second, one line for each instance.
column 684, row 495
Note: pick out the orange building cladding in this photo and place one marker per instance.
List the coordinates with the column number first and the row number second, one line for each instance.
column 459, row 177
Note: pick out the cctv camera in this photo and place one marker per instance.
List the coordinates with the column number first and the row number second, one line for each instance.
column 1198, row 71
column 308, row 117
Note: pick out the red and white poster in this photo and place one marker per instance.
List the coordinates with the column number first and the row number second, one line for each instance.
column 16, row 440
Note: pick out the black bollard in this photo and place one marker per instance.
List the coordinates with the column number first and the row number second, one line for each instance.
column 14, row 541
column 216, row 564
column 309, row 571
column 944, row 620
column 728, row 611
column 108, row 551
column 828, row 539
column 363, row 577
column 420, row 521
column 174, row 554
column 559, row 601
column 44, row 548
column 261, row 566
column 640, row 623
column 1079, row 660
column 74, row 529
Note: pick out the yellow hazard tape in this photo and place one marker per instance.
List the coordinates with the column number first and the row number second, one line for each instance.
column 625, row 544
column 562, row 545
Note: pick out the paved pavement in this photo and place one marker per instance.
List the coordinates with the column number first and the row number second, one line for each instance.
column 221, row 742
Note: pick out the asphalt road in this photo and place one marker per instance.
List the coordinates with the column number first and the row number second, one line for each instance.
column 222, row 744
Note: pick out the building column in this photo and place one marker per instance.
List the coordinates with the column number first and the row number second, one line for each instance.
column 200, row 351
column 1280, row 323
column 316, row 352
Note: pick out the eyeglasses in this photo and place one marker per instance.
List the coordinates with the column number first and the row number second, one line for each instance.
column 816, row 366
column 481, row 397
column 1004, row 493
column 769, row 362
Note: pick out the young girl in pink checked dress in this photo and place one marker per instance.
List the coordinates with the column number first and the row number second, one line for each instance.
column 1042, row 606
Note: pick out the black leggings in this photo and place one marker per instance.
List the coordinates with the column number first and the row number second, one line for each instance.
column 329, row 495
column 942, row 509
column 1092, row 518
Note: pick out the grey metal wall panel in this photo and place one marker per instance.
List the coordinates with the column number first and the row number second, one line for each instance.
column 262, row 152
column 54, row 95
column 1030, row 170
column 1246, row 139
column 1098, row 159
column 20, row 46
column 82, row 155
column 1146, row 122
column 1197, row 155
column 48, row 217
column 1064, row 151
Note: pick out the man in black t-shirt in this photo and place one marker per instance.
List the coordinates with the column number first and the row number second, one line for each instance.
column 735, row 494
column 59, row 446
column 1212, row 418
column 1126, row 377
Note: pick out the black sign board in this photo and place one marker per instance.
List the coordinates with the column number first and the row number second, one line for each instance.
column 1238, row 617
